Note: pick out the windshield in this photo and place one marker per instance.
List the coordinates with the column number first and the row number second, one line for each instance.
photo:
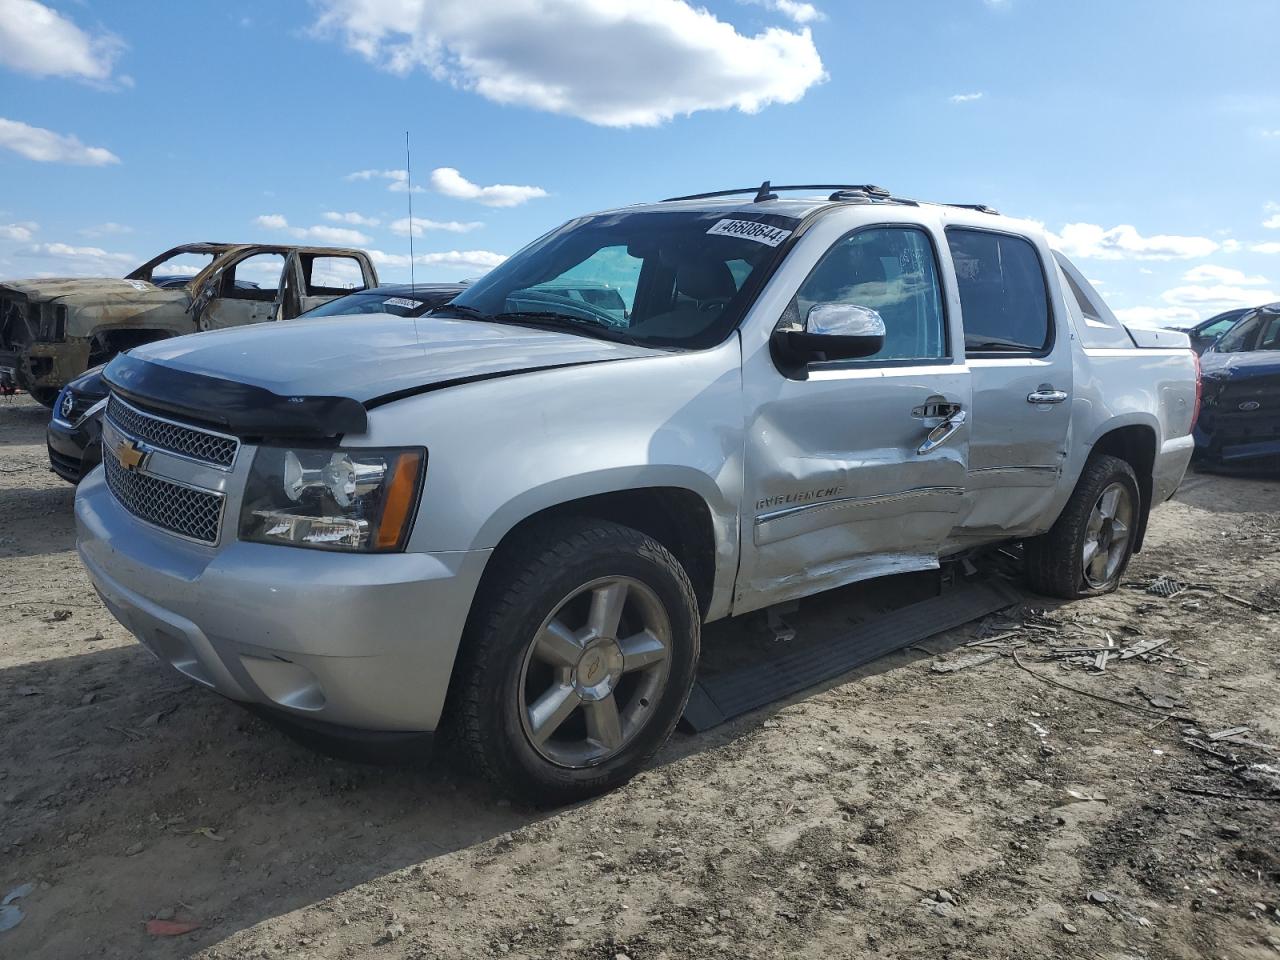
column 1259, row 330
column 676, row 279
column 366, row 302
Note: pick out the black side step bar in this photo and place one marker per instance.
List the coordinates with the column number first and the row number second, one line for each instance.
column 724, row 696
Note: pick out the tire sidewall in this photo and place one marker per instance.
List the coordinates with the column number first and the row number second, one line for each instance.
column 515, row 630
column 1117, row 472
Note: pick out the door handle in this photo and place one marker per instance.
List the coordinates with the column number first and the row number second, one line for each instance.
column 942, row 432
column 1047, row 395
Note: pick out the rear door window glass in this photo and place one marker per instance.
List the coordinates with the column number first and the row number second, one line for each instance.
column 1003, row 298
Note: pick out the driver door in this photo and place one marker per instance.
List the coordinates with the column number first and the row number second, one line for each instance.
column 244, row 291
column 856, row 468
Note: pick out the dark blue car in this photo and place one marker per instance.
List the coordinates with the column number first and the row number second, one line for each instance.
column 1240, row 410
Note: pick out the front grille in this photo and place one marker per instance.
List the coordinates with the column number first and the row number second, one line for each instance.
column 202, row 445
column 192, row 513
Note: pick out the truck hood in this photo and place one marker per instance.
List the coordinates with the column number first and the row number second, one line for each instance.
column 373, row 357
column 1258, row 363
column 87, row 290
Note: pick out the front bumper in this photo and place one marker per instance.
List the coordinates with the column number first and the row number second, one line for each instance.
column 362, row 641
column 74, row 450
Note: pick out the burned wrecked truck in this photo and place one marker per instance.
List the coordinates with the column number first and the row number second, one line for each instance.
column 52, row 330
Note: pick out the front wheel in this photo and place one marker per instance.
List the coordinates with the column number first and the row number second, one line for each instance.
column 45, row 396
column 578, row 660
column 1085, row 553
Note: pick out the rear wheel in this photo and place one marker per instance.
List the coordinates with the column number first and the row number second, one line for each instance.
column 1087, row 550
column 578, row 660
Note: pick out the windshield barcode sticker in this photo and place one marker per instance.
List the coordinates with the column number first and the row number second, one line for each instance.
column 401, row 302
column 750, row 230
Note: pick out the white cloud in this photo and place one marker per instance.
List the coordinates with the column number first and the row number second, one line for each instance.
column 451, row 183
column 619, row 63
column 355, row 218
column 343, row 236
column 71, row 260
column 1090, row 241
column 1272, row 222
column 108, row 229
column 38, row 40
column 1271, row 246
column 339, row 235
column 397, row 180
column 21, row 232
column 1157, row 316
column 475, row 260
column 1210, row 273
column 966, row 97
column 797, row 11
column 1213, row 299
column 1231, row 245
column 421, row 226
column 45, row 146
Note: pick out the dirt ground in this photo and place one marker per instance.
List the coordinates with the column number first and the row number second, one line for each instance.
column 901, row 812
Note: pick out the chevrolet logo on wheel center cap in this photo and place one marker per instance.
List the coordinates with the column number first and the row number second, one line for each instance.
column 130, row 455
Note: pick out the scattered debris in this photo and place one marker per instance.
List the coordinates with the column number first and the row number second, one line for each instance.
column 1079, row 796
column 393, row 932
column 1100, row 896
column 58, row 616
column 1068, row 927
column 1166, row 587
column 28, row 691
column 962, row 663
column 10, row 913
column 1229, row 732
column 209, row 833
column 171, row 928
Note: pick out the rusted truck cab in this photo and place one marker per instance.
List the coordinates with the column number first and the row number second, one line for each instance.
column 52, row 330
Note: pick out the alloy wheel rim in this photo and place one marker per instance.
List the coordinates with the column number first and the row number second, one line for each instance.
column 594, row 672
column 1106, row 540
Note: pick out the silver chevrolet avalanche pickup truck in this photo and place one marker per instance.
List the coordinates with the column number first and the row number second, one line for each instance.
column 510, row 518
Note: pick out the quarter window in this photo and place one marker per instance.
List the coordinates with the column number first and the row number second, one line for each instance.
column 1002, row 292
column 890, row 270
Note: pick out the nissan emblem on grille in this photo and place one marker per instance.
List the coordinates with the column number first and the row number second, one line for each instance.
column 194, row 442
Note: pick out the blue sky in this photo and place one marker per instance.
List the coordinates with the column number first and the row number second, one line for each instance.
column 1145, row 134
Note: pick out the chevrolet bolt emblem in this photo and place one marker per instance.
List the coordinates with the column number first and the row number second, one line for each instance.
column 130, row 454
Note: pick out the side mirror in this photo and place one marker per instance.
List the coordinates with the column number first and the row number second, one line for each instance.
column 836, row 331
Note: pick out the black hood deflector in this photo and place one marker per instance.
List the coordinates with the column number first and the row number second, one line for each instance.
column 238, row 408
column 251, row 412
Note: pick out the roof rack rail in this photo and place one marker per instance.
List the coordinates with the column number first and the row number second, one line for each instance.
column 980, row 207
column 766, row 191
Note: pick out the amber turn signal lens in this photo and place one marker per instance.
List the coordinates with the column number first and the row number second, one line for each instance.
column 399, row 502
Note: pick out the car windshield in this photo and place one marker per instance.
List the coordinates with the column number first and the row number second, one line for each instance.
column 662, row 279
column 1259, row 330
column 402, row 305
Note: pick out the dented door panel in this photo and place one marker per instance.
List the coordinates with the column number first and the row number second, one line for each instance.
column 837, row 489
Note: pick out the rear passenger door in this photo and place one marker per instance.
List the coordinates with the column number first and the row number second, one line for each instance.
column 1018, row 350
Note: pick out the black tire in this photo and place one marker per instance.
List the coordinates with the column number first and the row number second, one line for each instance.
column 531, row 576
column 1055, row 562
column 45, row 396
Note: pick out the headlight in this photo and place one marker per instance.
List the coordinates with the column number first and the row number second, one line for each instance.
column 358, row 499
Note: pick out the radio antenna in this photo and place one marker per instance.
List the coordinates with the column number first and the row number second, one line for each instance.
column 408, row 176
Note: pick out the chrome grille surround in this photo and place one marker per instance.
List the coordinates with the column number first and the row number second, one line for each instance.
column 195, row 443
column 186, row 511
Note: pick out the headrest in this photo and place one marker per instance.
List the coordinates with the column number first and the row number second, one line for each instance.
column 705, row 280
